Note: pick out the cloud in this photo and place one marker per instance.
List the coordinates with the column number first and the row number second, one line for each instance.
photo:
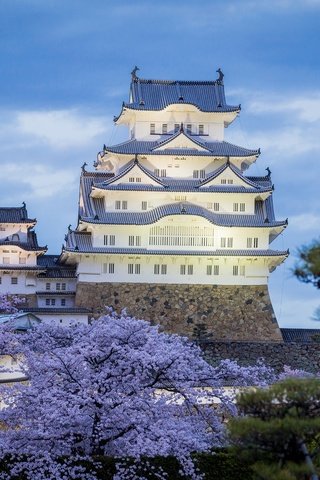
column 306, row 108
column 60, row 129
column 305, row 222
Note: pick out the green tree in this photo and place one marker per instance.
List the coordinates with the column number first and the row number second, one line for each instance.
column 278, row 431
column 307, row 268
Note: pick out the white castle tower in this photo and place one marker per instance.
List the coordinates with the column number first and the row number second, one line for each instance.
column 169, row 225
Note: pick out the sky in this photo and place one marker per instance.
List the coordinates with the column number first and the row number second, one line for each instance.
column 65, row 70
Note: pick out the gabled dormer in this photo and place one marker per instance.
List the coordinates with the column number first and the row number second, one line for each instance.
column 228, row 174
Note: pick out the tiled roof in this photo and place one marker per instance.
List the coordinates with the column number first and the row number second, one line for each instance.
column 15, row 215
column 55, row 293
column 259, row 219
column 60, row 311
column 53, row 269
column 30, row 245
column 213, row 149
column 301, row 335
column 81, row 242
column 207, row 96
column 21, row 268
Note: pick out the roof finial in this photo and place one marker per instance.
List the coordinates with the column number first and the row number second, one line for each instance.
column 228, row 161
column 220, row 78
column 134, row 73
column 181, row 127
column 268, row 171
column 69, row 228
column 24, row 204
column 83, row 168
column 136, row 161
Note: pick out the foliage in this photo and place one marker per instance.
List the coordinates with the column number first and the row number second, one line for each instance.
column 279, row 423
column 10, row 303
column 307, row 269
column 116, row 388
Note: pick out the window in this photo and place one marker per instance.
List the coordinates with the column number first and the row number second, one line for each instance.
column 130, row 268
column 252, row 242
column 152, row 128
column 235, row 270
column 0, row 280
column 242, row 270
column 209, row 269
column 160, row 269
column 47, row 301
column 180, row 198
column 6, row 260
column 157, row 172
column 124, row 205
column 117, row 204
column 131, row 179
column 255, row 242
column 182, row 269
column 48, row 286
column 223, row 242
column 235, row 207
column 195, row 173
column 112, row 239
column 176, row 127
column 111, row 268
column 63, row 286
column 249, row 242
column 22, row 260
column 216, row 207
column 242, row 207
column 137, row 269
column 202, row 173
column 63, row 302
column 163, row 269
column 138, row 180
column 156, row 269
column 164, row 128
column 189, row 128
column 199, row 173
column 58, row 286
column 209, row 206
column 134, row 240
column 53, row 301
column 230, row 181
column 201, row 129
column 131, row 240
column 14, row 280
column 190, row 269
column 163, row 172
column 138, row 241
column 105, row 239
column 215, row 269
column 226, row 242
column 144, row 205
column 230, row 242
column 223, row 181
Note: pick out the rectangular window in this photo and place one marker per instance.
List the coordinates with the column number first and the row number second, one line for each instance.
column 252, row 242
column 215, row 269
column 152, row 128
column 223, row 242
column 202, row 173
column 209, row 206
column 14, row 280
column 117, row 204
column 6, row 260
column 164, row 128
column 235, row 207
column 230, row 181
column 209, row 269
column 235, row 270
column 216, row 207
column 255, row 242
column 131, row 240
column 112, row 239
column 242, row 270
column 223, row 181
column 22, row 260
column 53, row 301
column 58, row 286
column 195, row 173
column 130, row 268
column 111, row 268
column 138, row 180
column 190, row 269
column 63, row 286
column 182, row 269
column 163, row 173
column 176, row 127
column 105, row 239
column 124, row 205
column 63, row 302
column 48, row 286
column 242, row 207
column 137, row 269
column 157, row 172
column 163, row 269
column 249, row 242
column 131, row 179
column 156, row 269
column 201, row 129
column 230, row 242
column 144, row 205
column 138, row 241
column 47, row 301
column 189, row 128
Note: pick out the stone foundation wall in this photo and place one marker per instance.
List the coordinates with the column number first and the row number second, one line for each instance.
column 211, row 312
column 304, row 356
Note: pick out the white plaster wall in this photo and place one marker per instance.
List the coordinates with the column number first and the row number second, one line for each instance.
column 63, row 319
column 26, row 283
column 70, row 284
column 70, row 301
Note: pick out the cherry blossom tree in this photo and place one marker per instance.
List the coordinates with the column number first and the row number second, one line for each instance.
column 117, row 387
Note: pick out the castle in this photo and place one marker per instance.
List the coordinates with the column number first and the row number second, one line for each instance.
column 170, row 226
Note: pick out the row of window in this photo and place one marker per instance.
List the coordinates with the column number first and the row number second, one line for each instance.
column 13, row 280
column 190, row 128
column 53, row 302
column 6, row 260
column 175, row 236
column 135, row 269
column 237, row 207
column 58, row 286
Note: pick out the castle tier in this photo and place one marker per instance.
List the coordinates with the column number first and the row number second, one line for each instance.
column 172, row 207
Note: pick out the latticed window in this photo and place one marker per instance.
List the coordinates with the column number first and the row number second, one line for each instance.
column 176, row 127
column 144, row 205
column 242, row 207
column 201, row 129
column 152, row 128
column 216, row 207
column 183, row 235
column 164, row 128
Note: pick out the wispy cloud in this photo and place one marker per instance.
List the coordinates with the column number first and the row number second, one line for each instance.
column 305, row 222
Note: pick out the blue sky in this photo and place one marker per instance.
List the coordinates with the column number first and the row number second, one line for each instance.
column 65, row 70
